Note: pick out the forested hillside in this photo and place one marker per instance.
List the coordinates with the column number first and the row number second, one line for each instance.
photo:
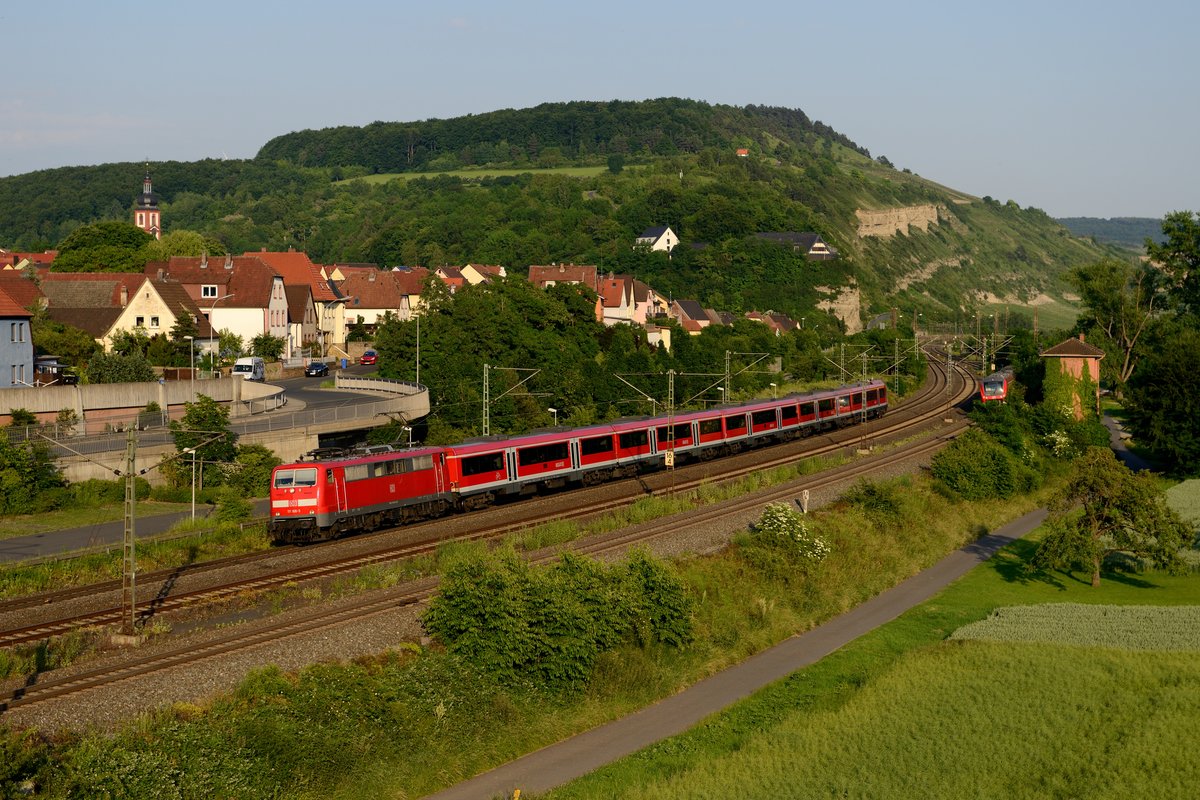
column 355, row 195
column 1129, row 233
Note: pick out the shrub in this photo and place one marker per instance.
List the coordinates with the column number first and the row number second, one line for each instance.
column 781, row 545
column 516, row 623
column 251, row 474
column 873, row 498
column 97, row 492
column 974, row 467
column 232, row 506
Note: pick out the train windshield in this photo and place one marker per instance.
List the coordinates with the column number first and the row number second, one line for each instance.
column 993, row 388
column 291, row 478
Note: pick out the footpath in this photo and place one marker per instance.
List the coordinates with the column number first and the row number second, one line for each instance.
column 100, row 535
column 563, row 762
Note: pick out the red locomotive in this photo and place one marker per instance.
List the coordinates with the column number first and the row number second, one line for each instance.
column 995, row 387
column 328, row 497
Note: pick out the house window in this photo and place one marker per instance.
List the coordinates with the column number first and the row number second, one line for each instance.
column 13, row 332
column 154, row 322
column 140, row 322
column 208, row 291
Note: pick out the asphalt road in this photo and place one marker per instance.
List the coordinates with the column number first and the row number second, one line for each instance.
column 560, row 763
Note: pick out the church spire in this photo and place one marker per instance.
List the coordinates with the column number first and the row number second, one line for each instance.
column 146, row 215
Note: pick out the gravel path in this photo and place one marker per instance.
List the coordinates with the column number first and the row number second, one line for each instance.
column 106, row 708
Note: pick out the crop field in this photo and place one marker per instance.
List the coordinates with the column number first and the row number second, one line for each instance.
column 906, row 711
column 1185, row 499
column 979, row 720
column 1175, row 628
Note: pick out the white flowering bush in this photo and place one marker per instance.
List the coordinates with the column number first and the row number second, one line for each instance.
column 784, row 528
column 1059, row 443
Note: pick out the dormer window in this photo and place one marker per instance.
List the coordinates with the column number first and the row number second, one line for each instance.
column 208, row 291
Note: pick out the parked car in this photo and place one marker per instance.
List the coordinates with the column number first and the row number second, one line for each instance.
column 316, row 369
column 368, row 357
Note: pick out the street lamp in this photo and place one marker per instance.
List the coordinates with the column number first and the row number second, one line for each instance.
column 212, row 318
column 774, row 391
column 192, row 374
column 721, row 389
column 554, row 411
column 409, row 429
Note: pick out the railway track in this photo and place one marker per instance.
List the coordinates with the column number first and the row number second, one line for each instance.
column 944, row 391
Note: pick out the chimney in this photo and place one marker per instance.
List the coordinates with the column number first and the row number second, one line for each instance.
column 124, row 295
column 204, row 261
column 160, row 273
column 371, row 276
column 1081, row 337
column 228, row 261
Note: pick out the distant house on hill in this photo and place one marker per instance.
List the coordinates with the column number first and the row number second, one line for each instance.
column 661, row 238
column 811, row 245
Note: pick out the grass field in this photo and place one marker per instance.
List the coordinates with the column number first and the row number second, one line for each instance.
column 902, row 712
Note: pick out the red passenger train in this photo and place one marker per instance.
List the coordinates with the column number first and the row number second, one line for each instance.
column 995, row 387
column 329, row 497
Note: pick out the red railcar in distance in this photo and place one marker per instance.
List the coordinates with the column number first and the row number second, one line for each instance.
column 332, row 495
column 995, row 387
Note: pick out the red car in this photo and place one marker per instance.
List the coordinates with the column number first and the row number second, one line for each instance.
column 368, row 357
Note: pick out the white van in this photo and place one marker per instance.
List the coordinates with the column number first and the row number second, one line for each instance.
column 251, row 368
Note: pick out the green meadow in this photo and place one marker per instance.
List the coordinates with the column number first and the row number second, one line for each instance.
column 905, row 711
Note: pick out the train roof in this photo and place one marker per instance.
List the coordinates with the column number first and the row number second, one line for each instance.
column 331, row 455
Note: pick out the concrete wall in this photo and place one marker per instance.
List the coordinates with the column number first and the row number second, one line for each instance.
column 101, row 405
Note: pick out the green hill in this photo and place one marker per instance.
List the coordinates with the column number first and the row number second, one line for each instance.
column 1129, row 233
column 576, row 182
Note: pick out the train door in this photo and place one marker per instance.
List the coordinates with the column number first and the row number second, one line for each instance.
column 335, row 479
column 510, row 458
column 576, row 460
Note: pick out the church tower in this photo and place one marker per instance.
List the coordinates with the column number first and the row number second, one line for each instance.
column 145, row 216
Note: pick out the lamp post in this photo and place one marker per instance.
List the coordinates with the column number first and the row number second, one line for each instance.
column 192, row 374
column 721, row 389
column 409, row 429
column 774, row 391
column 212, row 318
column 554, row 411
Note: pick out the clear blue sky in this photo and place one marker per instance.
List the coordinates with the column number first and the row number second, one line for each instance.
column 1078, row 108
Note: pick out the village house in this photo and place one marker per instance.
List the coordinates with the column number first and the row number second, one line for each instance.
column 811, row 245
column 16, row 345
column 476, row 274
column 371, row 295
column 297, row 270
column 660, row 238
column 545, row 276
column 241, row 294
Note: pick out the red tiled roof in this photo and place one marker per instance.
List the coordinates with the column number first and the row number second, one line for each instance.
column 541, row 275
column 615, row 291
column 90, row 289
column 1074, row 348
column 297, row 269
column 12, row 257
column 21, row 289
column 248, row 278
column 378, row 289
column 10, row 307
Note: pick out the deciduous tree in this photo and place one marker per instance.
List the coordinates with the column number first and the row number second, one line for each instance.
column 1121, row 301
column 1106, row 509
